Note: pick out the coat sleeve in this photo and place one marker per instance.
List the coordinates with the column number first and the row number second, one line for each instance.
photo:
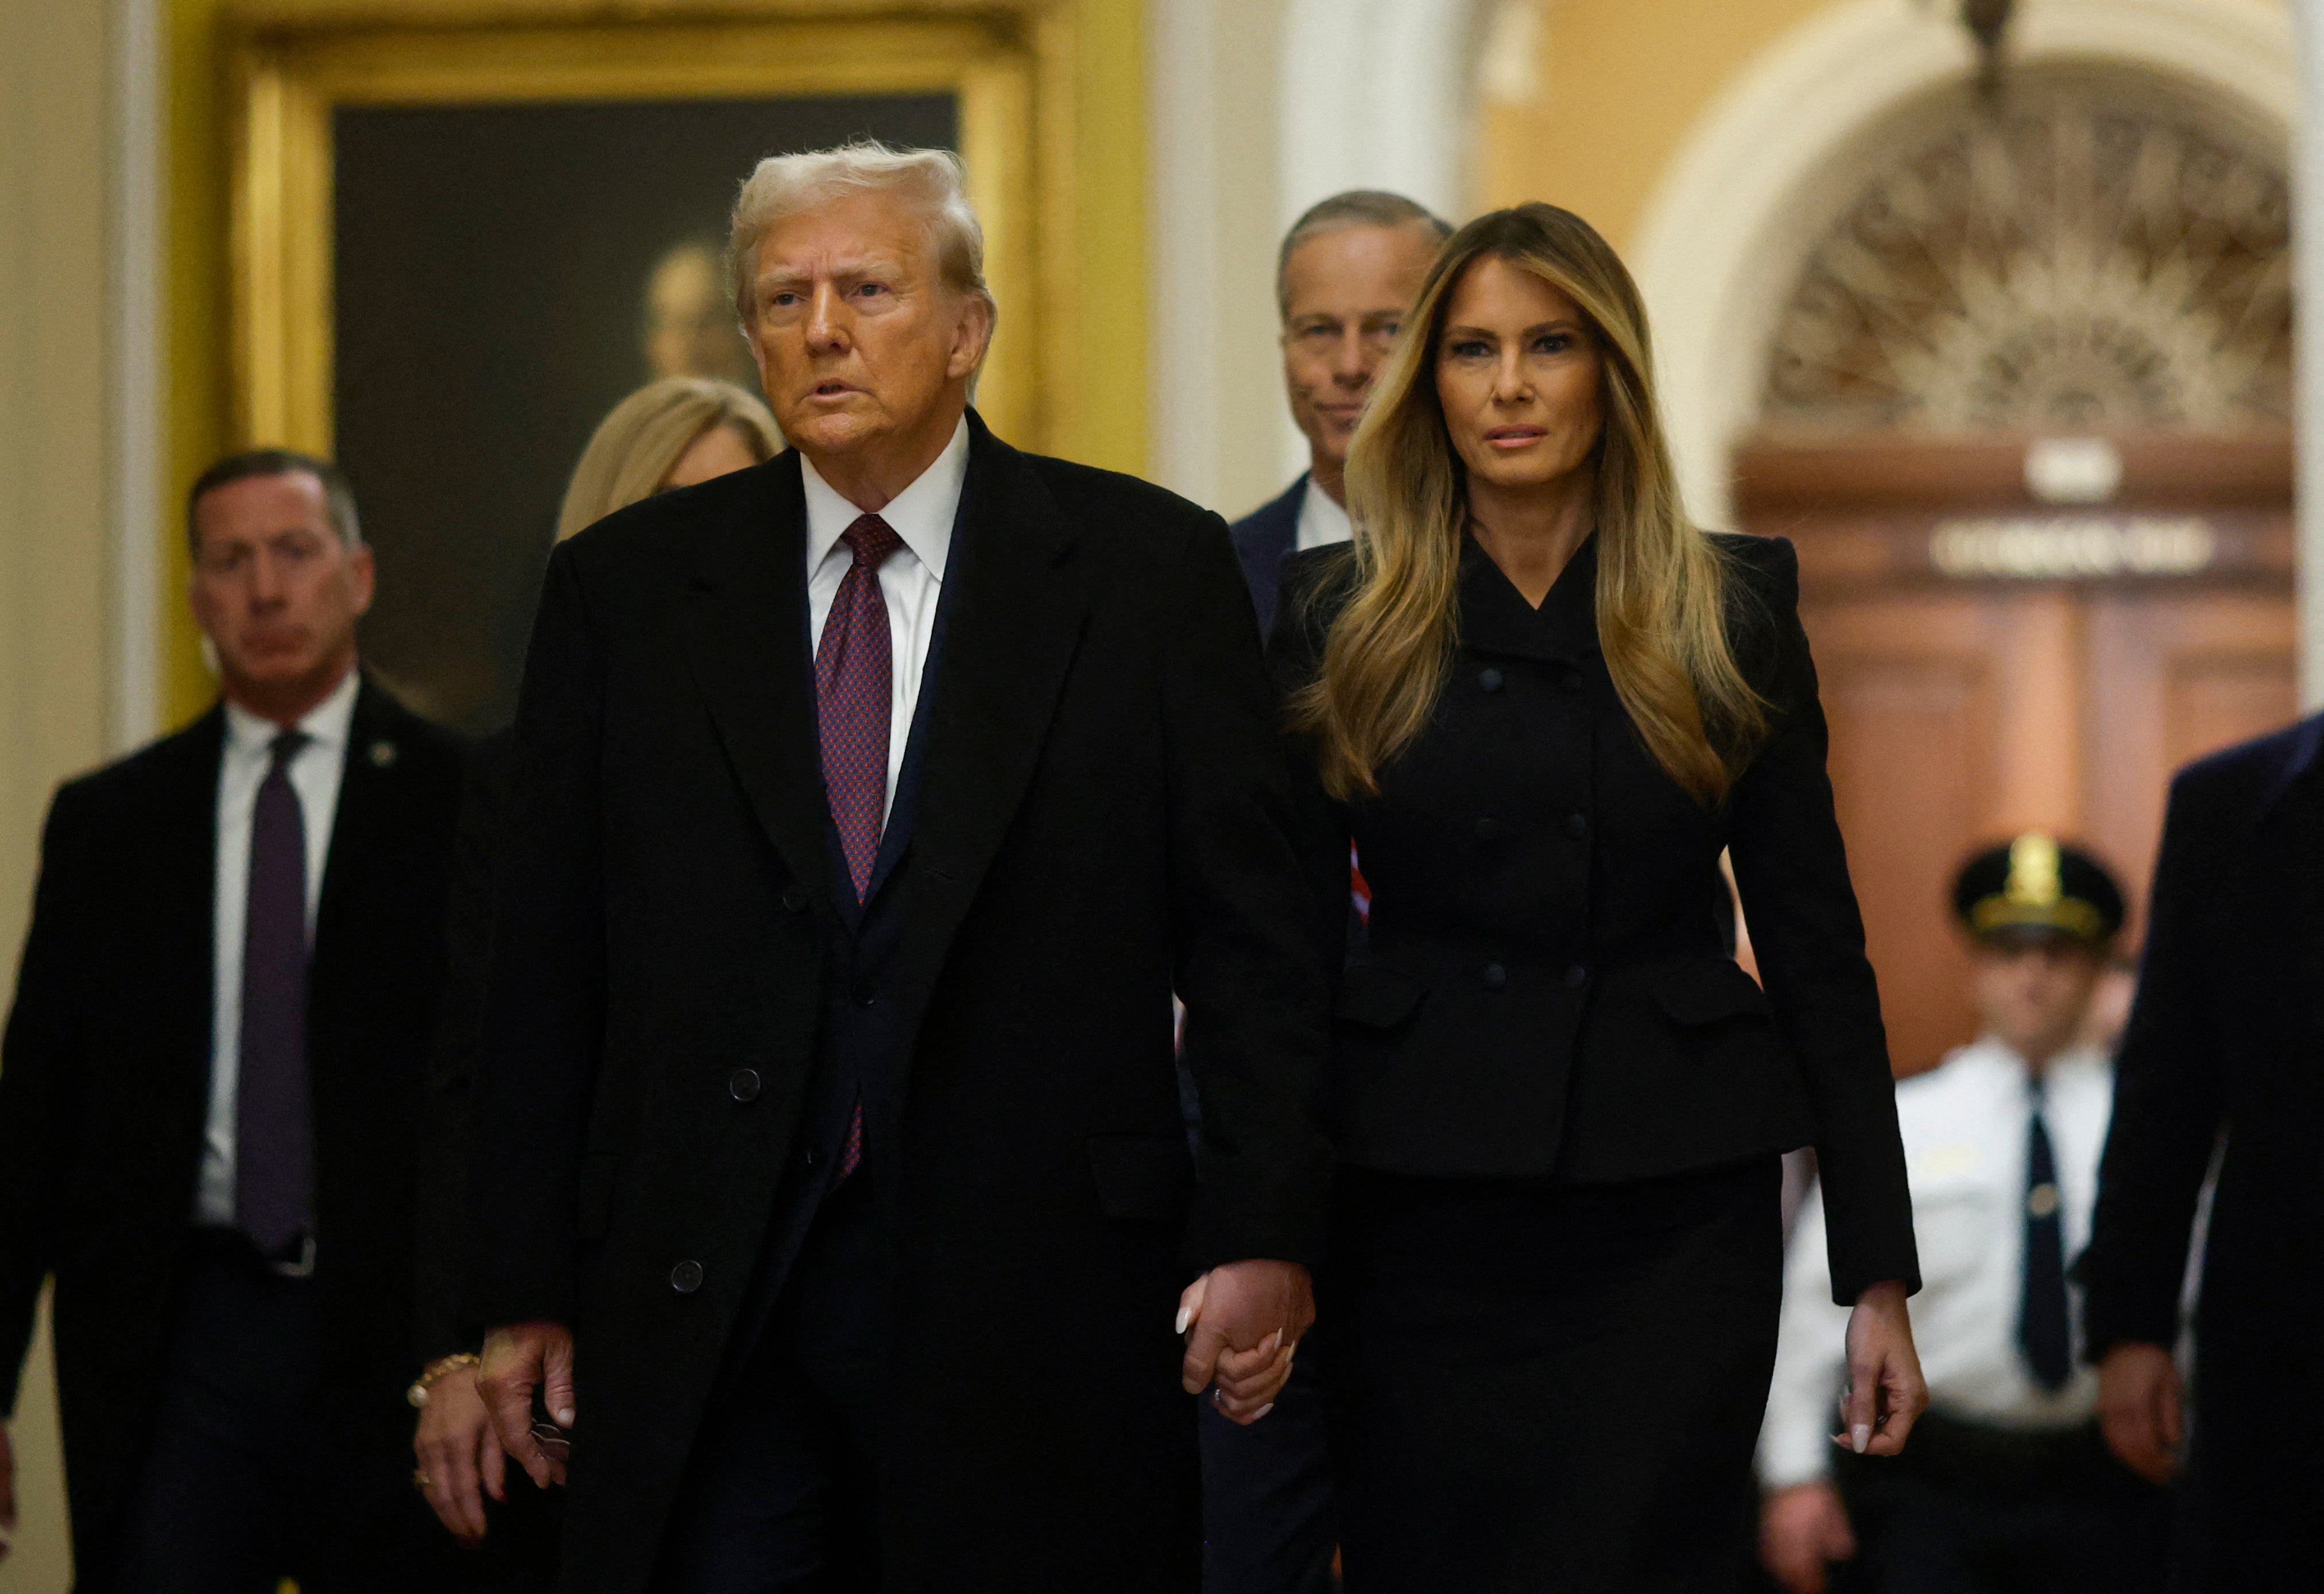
column 2169, row 1102
column 447, row 1099
column 1791, row 867
column 1250, row 966
column 544, row 1012
column 42, row 1067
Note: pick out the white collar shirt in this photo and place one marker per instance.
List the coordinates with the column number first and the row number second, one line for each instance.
column 1966, row 1124
column 911, row 580
column 1321, row 522
column 314, row 771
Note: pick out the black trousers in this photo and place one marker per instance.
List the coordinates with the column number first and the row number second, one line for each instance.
column 257, row 1471
column 1540, row 1385
column 1973, row 1510
column 1269, row 1521
column 780, row 1494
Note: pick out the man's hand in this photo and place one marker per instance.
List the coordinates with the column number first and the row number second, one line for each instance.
column 518, row 1360
column 7, row 1492
column 459, row 1454
column 1803, row 1529
column 1244, row 1322
column 1886, row 1391
column 2140, row 1409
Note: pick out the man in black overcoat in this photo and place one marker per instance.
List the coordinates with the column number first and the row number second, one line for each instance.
column 831, row 1188
column 2224, row 1053
column 210, row 1082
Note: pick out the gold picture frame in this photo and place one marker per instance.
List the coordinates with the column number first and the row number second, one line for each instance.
column 287, row 81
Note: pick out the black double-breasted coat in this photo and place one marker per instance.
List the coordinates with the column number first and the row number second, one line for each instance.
column 2224, row 1054
column 1100, row 817
column 1545, row 988
column 104, row 1085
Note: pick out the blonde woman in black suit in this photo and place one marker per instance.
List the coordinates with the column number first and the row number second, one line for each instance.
column 1540, row 704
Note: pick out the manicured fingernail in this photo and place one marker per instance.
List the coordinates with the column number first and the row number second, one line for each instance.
column 1273, row 1340
column 1262, row 1411
column 564, row 1415
column 1860, row 1437
column 1185, row 1316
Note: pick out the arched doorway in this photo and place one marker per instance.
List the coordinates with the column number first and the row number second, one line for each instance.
column 2027, row 414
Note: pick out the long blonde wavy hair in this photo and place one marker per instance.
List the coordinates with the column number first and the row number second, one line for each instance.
column 642, row 440
column 1662, row 585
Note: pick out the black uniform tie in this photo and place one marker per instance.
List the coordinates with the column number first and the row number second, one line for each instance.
column 273, row 1157
column 2044, row 1327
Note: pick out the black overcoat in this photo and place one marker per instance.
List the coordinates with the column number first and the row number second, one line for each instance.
column 1546, row 988
column 1101, row 819
column 2226, row 1040
column 104, row 1085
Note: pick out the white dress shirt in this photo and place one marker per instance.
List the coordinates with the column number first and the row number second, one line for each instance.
column 1321, row 522
column 1965, row 1126
column 314, row 772
column 911, row 580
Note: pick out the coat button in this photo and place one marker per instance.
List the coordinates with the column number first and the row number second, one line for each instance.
column 1577, row 825
column 1487, row 829
column 795, row 898
column 1576, row 976
column 865, row 995
column 809, row 1158
column 1489, row 678
column 1496, row 976
column 686, row 1278
column 743, row 1084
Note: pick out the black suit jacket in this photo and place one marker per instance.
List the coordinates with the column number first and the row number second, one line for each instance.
column 1102, row 818
column 104, row 1087
column 1263, row 540
column 1546, row 988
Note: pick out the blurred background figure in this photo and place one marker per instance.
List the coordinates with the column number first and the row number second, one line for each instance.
column 670, row 433
column 2006, row 1486
column 1344, row 278
column 690, row 328
column 209, row 1082
column 2224, row 1059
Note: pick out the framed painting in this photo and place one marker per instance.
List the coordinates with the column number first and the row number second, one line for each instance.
column 456, row 250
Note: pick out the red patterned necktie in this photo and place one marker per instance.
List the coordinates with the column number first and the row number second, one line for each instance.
column 854, row 685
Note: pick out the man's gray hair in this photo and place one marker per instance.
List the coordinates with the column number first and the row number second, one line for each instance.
column 1358, row 207
column 784, row 186
column 339, row 497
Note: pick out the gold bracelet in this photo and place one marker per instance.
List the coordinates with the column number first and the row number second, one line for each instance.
column 435, row 1371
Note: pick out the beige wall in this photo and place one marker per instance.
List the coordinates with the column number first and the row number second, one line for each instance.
column 53, row 129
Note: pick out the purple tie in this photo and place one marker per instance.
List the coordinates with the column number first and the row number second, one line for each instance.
column 854, row 687
column 274, row 1158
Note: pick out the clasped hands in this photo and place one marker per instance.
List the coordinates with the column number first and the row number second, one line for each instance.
column 1242, row 1323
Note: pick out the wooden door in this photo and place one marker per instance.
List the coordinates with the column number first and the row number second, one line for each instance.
column 1980, row 682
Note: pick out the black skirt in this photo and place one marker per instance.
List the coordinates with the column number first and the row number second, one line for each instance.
column 1541, row 1385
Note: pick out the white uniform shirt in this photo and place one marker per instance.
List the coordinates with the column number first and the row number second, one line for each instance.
column 1965, row 1124
column 911, row 580
column 314, row 770
column 1321, row 522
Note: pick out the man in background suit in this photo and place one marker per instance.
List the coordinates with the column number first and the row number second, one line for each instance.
column 1346, row 270
column 830, row 1187
column 209, row 1083
column 2225, row 1048
column 1346, row 273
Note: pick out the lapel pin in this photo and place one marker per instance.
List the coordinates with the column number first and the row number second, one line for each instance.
column 382, row 754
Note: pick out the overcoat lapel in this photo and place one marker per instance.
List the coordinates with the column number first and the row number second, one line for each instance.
column 1011, row 632
column 746, row 641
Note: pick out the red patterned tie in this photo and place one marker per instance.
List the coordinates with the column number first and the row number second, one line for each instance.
column 855, row 685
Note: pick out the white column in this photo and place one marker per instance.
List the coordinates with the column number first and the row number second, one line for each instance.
column 1182, row 161
column 136, row 491
column 2308, row 266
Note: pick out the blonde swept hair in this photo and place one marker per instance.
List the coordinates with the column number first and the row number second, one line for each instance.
column 638, row 444
column 1662, row 585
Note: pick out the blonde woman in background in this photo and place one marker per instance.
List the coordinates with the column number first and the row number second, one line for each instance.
column 1540, row 703
column 670, row 434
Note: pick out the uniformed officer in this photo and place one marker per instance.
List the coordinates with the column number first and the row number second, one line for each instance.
column 2007, row 1484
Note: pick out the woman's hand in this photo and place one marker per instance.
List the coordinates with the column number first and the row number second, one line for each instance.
column 1886, row 1391
column 460, row 1456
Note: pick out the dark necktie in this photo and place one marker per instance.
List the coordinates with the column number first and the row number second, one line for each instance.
column 2045, row 1330
column 273, row 1157
column 855, row 682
